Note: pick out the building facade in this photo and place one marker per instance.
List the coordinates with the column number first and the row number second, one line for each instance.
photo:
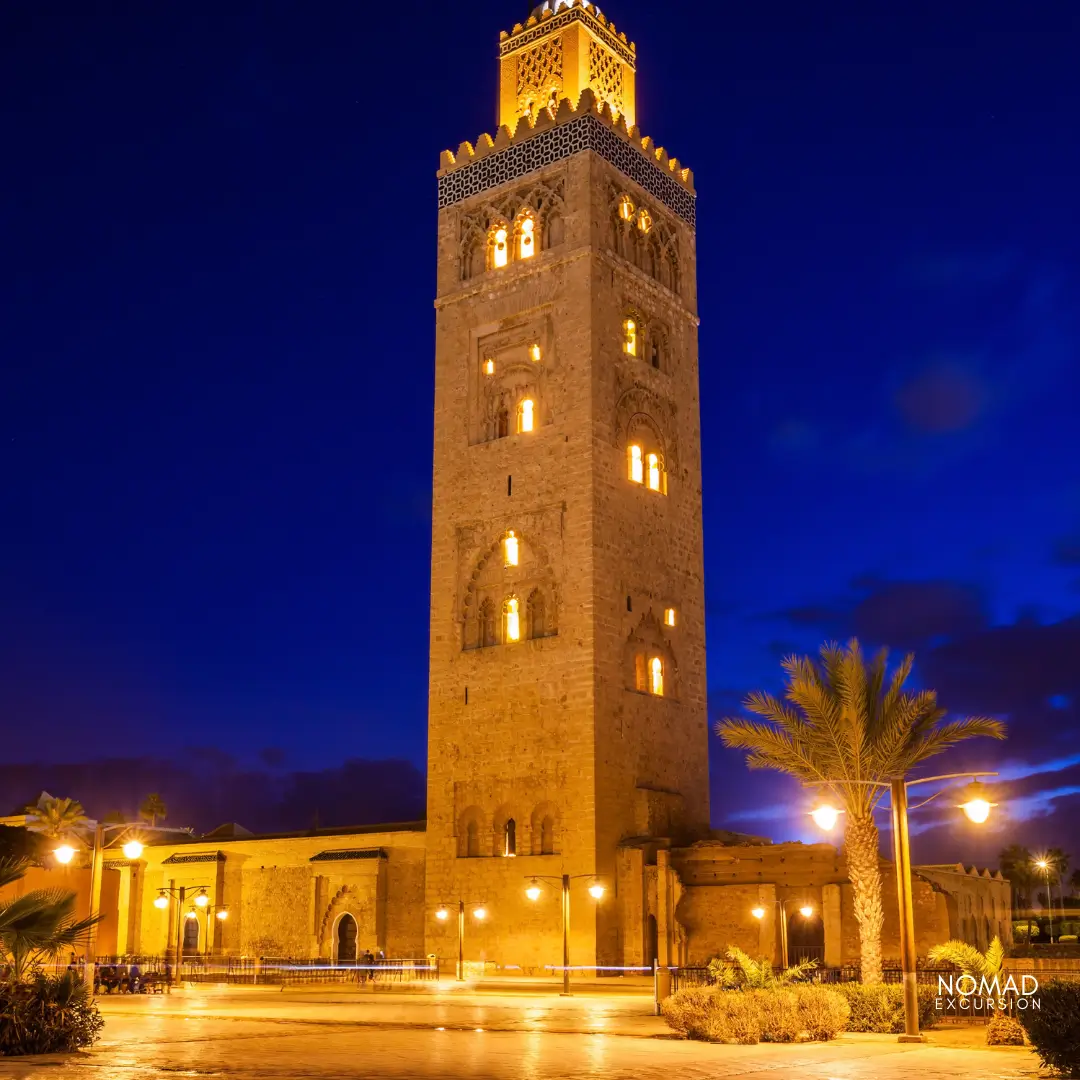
column 567, row 662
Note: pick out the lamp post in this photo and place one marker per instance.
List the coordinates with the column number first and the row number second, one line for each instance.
column 596, row 891
column 161, row 901
column 1044, row 866
column 759, row 913
column 442, row 913
column 132, row 849
column 976, row 806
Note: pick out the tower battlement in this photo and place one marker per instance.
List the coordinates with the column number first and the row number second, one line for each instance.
column 568, row 11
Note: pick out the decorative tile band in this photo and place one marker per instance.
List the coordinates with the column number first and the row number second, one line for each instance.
column 522, row 38
column 349, row 853
column 208, row 856
column 556, row 144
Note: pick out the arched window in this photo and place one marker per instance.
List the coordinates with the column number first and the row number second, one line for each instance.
column 489, row 366
column 537, row 615
column 512, row 614
column 527, row 237
column 502, row 423
column 534, row 352
column 641, row 681
column 656, row 676
column 630, row 336
column 626, row 208
column 472, row 840
column 669, row 616
column 656, row 480
column 635, row 464
column 526, row 417
column 510, row 549
column 554, row 230
column 644, row 220
column 486, row 629
column 498, row 241
column 547, row 836
column 654, row 350
column 510, row 838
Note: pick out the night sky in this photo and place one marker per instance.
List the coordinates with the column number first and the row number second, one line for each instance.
column 217, row 226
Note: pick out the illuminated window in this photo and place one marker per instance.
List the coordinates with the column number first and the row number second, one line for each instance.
column 499, row 250
column 489, row 366
column 644, row 221
column 525, row 415
column 637, row 467
column 527, row 239
column 656, row 676
column 656, row 480
column 534, row 352
column 510, row 549
column 630, row 330
column 513, row 619
column 626, row 207
column 669, row 616
column 510, row 838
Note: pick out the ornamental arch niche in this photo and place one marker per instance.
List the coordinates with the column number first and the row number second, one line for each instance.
column 544, row 828
column 645, row 645
column 469, row 831
column 641, row 412
column 492, row 583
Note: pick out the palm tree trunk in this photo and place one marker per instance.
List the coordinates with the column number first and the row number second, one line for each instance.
column 864, row 869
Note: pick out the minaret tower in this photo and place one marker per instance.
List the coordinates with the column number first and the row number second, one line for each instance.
column 567, row 722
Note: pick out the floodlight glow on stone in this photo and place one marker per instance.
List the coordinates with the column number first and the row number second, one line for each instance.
column 758, row 913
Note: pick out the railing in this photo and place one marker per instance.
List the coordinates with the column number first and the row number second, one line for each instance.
column 798, row 953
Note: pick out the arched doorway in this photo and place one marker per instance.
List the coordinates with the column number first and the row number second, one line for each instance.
column 806, row 937
column 346, row 940
column 191, row 936
column 652, row 941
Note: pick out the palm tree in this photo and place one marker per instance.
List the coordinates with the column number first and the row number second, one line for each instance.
column 38, row 925
column 153, row 807
column 740, row 970
column 1003, row 1029
column 56, row 818
column 1058, row 860
column 847, row 725
column 1017, row 867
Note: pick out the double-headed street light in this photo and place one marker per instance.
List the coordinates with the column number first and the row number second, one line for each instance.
column 1044, row 866
column 805, row 910
column 976, row 806
column 596, row 891
column 479, row 913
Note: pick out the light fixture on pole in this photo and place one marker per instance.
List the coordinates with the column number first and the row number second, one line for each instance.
column 161, row 901
column 64, row 854
column 1044, row 866
column 825, row 816
column 133, row 849
column 976, row 806
column 759, row 913
column 596, row 891
column 442, row 913
column 201, row 899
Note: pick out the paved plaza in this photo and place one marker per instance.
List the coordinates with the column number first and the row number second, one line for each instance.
column 243, row 1034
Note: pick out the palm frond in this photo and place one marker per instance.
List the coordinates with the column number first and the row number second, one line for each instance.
column 964, row 956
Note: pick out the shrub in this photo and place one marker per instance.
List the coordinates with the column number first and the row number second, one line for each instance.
column 880, row 1008
column 47, row 1014
column 687, row 1011
column 735, row 1017
column 1054, row 1029
column 1022, row 930
column 780, row 1019
column 1065, row 938
column 1004, row 1030
column 822, row 1012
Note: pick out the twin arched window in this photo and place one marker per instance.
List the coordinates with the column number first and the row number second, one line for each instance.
column 522, row 238
column 649, row 674
column 646, row 467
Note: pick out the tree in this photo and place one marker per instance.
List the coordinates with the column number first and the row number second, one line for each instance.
column 153, row 807
column 740, row 970
column 56, row 818
column 38, row 925
column 1018, row 868
column 845, row 723
column 1074, row 881
column 1002, row 1029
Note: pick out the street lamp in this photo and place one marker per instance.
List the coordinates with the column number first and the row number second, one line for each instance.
column 759, row 913
column 64, row 854
column 977, row 807
column 1044, row 866
column 442, row 913
column 596, row 891
column 825, row 816
column 133, row 849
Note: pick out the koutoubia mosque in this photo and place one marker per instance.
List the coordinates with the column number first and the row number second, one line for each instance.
column 567, row 727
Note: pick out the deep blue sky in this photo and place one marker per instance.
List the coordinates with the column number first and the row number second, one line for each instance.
column 217, row 237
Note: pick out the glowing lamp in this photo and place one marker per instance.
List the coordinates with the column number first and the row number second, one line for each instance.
column 442, row 914
column 596, row 890
column 533, row 891
column 64, row 853
column 758, row 913
column 480, row 914
column 202, row 899
column 825, row 817
column 222, row 914
column 806, row 911
column 1042, row 864
column 161, row 901
column 976, row 805
column 132, row 849
column 190, row 914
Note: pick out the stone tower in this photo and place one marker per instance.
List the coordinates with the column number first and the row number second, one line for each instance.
column 567, row 720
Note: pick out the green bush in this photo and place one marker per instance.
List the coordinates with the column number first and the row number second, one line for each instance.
column 822, row 1012
column 780, row 1014
column 1065, row 938
column 880, row 1008
column 1004, row 1030
column 1022, row 929
column 47, row 1014
column 1054, row 1029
